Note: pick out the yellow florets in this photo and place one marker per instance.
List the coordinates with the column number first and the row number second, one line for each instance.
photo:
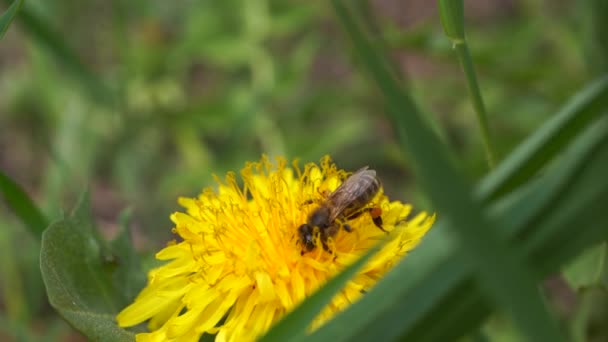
column 240, row 266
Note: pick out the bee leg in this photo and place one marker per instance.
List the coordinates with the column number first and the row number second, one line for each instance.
column 325, row 235
column 376, row 214
column 326, row 247
column 378, row 223
column 355, row 215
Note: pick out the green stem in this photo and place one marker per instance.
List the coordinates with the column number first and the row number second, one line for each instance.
column 452, row 20
column 464, row 56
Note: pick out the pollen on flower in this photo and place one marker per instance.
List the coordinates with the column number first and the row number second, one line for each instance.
column 240, row 265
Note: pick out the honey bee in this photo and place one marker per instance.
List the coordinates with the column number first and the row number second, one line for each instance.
column 345, row 203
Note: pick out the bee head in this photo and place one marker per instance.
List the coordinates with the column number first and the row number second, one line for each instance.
column 306, row 236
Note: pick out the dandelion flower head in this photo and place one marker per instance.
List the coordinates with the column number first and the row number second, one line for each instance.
column 240, row 265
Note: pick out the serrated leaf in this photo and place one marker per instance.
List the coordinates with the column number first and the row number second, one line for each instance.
column 21, row 204
column 128, row 275
column 7, row 18
column 72, row 265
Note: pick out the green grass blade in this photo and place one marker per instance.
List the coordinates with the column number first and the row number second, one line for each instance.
column 294, row 326
column 22, row 205
column 452, row 19
column 436, row 299
column 596, row 41
column 420, row 280
column 7, row 18
column 578, row 155
column 503, row 275
column 545, row 258
column 525, row 161
column 579, row 206
column 12, row 289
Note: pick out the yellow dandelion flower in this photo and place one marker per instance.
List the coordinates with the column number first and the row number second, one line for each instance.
column 241, row 265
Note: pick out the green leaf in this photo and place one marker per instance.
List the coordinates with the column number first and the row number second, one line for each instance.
column 72, row 265
column 128, row 275
column 589, row 269
column 22, row 205
column 7, row 18
column 512, row 285
column 296, row 323
column 547, row 142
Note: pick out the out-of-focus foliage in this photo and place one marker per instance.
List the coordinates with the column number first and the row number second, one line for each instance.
column 142, row 100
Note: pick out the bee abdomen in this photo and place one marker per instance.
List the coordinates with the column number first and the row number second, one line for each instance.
column 370, row 188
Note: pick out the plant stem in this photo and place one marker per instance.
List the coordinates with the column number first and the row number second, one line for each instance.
column 464, row 56
column 452, row 20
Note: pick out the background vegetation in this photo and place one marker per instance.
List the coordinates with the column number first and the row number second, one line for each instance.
column 142, row 101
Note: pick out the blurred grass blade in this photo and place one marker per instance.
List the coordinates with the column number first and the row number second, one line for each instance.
column 7, row 18
column 294, row 326
column 54, row 44
column 416, row 285
column 596, row 40
column 529, row 157
column 580, row 196
column 437, row 299
column 551, row 194
column 12, row 289
column 22, row 205
column 543, row 195
column 452, row 19
column 546, row 258
column 502, row 273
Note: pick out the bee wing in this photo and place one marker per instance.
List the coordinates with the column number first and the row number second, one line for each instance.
column 346, row 193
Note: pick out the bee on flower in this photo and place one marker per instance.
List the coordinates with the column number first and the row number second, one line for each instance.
column 345, row 203
column 248, row 255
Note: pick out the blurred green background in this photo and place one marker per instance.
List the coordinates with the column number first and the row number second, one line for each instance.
column 142, row 101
